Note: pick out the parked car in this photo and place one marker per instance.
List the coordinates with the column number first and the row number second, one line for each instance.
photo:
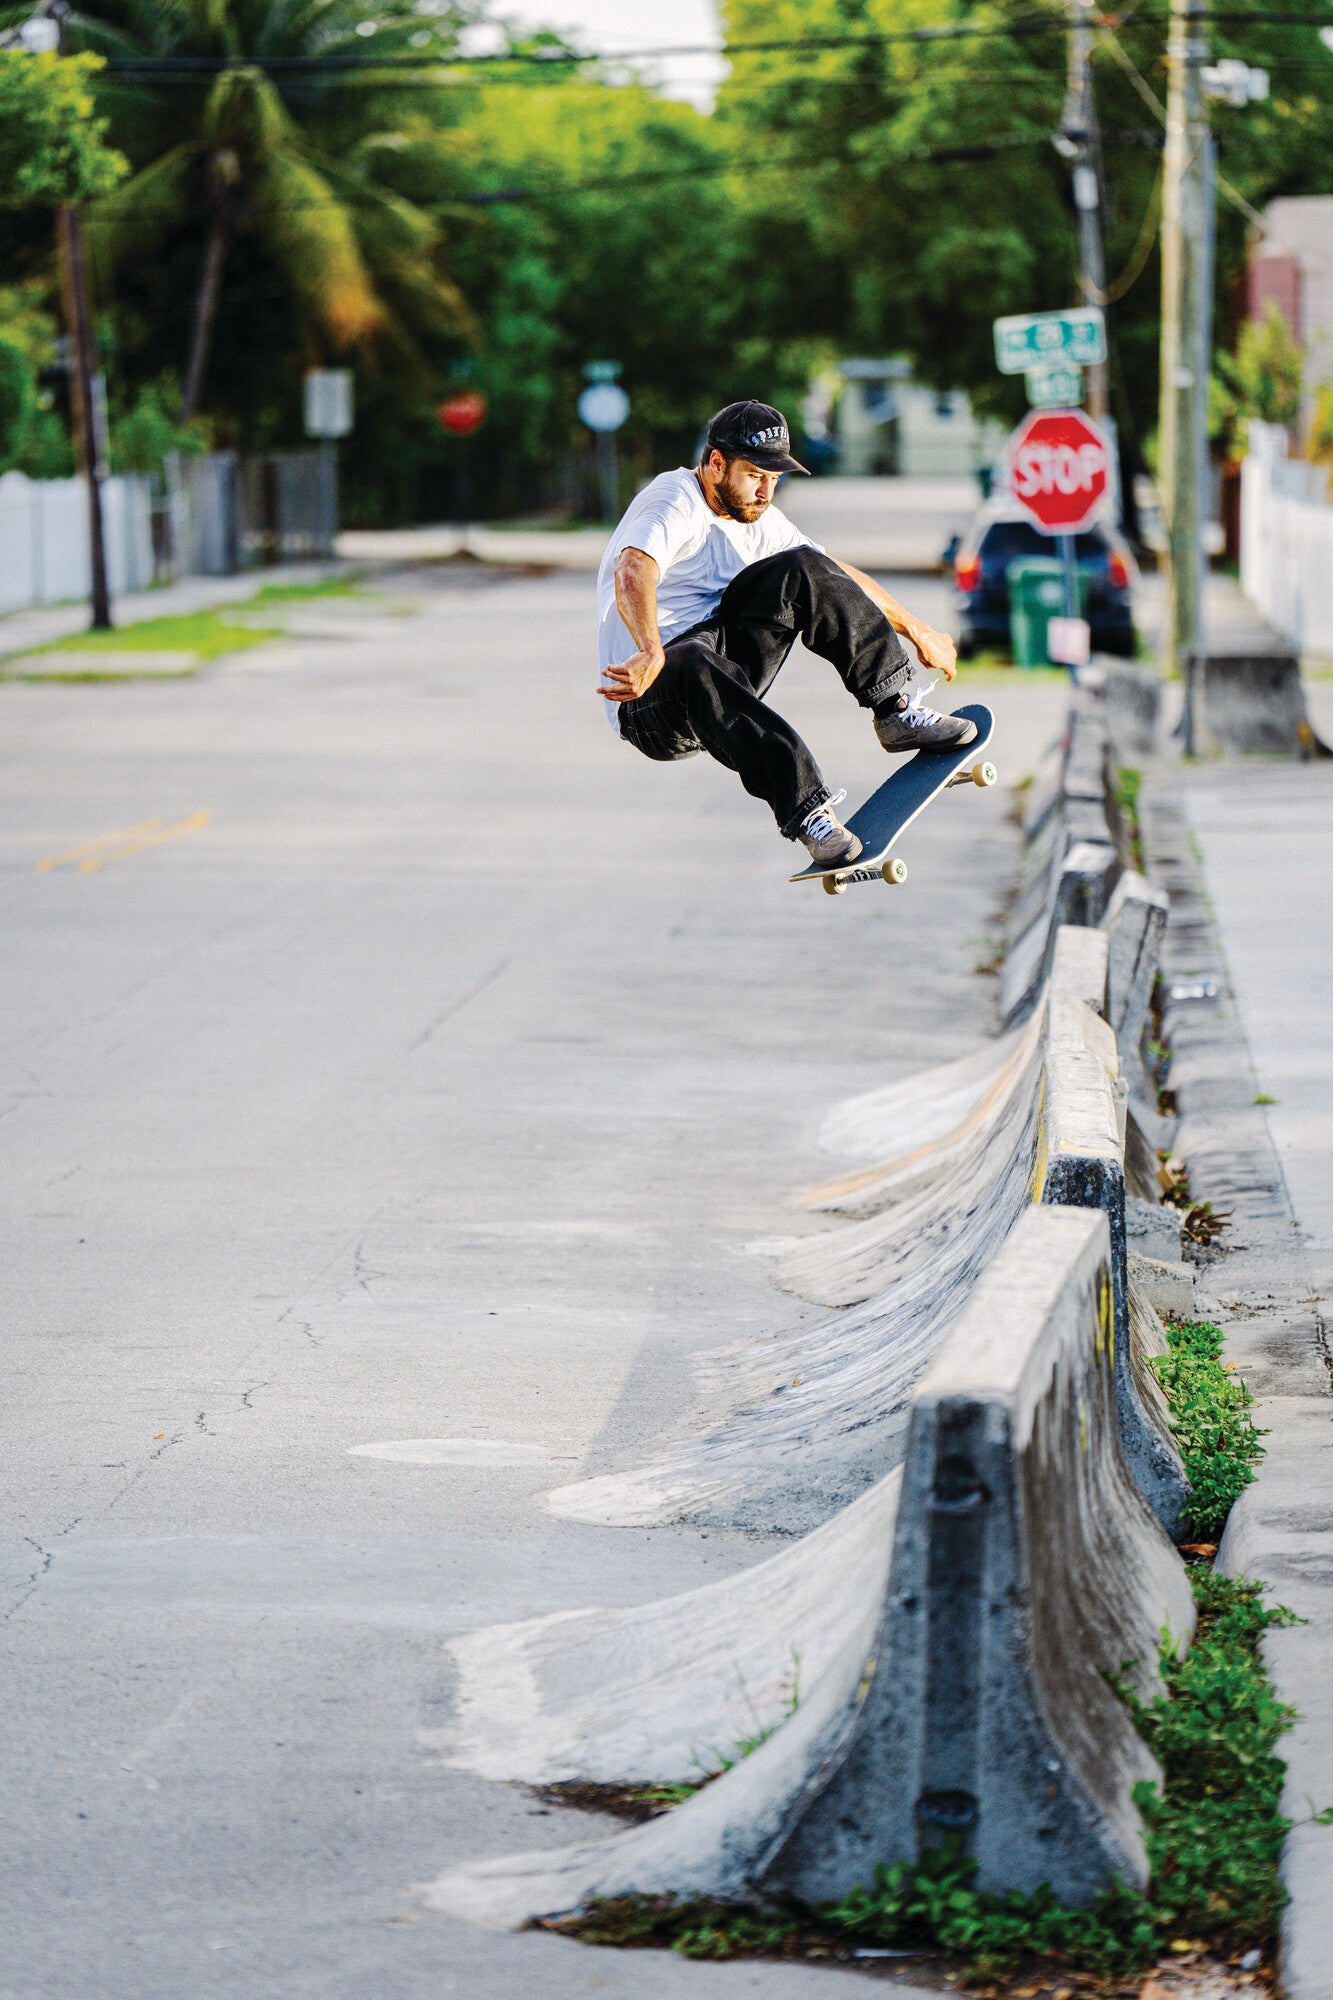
column 999, row 534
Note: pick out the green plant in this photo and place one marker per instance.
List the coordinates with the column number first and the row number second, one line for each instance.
column 1210, row 1415
column 1127, row 794
column 1264, row 376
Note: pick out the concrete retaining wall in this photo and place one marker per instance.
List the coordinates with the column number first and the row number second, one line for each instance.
column 970, row 1693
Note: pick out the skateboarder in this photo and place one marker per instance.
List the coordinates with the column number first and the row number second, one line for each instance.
column 702, row 593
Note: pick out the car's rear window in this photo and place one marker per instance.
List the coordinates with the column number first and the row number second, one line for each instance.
column 1020, row 538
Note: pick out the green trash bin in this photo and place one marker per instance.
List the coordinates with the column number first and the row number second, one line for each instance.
column 1036, row 595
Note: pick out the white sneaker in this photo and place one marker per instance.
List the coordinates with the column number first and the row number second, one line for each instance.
column 825, row 835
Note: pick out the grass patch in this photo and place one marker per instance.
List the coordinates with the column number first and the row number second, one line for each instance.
column 297, row 593
column 205, row 633
column 1210, row 1415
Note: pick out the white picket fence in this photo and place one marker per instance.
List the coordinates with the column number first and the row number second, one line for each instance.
column 1286, row 541
column 44, row 542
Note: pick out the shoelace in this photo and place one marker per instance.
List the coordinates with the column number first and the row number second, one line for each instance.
column 916, row 714
column 820, row 823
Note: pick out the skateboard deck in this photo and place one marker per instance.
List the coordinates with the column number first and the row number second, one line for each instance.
column 903, row 795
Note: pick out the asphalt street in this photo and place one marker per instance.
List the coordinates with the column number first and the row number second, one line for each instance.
column 403, row 1079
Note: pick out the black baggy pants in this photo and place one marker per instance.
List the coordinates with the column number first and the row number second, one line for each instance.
column 708, row 696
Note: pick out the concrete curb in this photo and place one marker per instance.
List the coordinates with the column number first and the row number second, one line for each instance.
column 974, row 1692
column 1263, row 1297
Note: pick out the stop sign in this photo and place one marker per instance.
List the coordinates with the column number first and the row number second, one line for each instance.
column 1059, row 469
column 462, row 413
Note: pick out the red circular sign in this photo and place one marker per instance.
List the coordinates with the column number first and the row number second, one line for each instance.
column 462, row 414
column 1059, row 469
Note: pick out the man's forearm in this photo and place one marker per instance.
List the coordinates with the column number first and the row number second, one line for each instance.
column 636, row 599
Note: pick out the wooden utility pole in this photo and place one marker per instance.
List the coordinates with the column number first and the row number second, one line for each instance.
column 81, row 352
column 82, row 398
column 1187, row 194
column 1082, row 143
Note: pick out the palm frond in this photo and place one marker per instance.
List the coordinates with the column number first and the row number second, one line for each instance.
column 312, row 237
column 133, row 220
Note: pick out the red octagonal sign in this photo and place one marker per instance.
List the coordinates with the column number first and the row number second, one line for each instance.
column 1058, row 469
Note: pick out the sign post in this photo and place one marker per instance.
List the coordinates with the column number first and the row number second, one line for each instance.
column 603, row 407
column 1054, row 385
column 328, row 417
column 1059, row 472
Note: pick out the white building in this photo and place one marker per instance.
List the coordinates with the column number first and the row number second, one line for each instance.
column 886, row 423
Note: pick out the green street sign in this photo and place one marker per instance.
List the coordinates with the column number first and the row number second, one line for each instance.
column 1025, row 340
column 1054, row 386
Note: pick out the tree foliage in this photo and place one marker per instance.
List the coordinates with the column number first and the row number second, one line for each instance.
column 52, row 144
column 499, row 228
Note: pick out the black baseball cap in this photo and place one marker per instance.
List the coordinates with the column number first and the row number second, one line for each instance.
column 755, row 431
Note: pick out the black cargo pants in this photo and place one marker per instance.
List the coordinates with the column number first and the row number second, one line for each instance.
column 708, row 696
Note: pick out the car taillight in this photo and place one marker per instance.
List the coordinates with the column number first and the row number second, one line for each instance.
column 967, row 573
column 1118, row 570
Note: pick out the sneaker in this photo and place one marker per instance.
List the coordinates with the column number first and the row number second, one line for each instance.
column 914, row 726
column 826, row 837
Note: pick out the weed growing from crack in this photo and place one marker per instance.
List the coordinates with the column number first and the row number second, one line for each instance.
column 1210, row 1416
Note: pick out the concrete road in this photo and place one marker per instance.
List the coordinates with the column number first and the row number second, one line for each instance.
column 402, row 1077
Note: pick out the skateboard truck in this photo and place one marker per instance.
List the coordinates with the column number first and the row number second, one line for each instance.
column 980, row 774
column 891, row 871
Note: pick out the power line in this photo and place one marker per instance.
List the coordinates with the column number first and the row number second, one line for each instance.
column 563, row 58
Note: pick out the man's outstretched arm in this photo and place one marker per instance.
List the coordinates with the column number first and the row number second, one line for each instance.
column 934, row 649
column 636, row 601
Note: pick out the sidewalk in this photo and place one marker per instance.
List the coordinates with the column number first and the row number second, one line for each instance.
column 21, row 631
column 1260, row 1141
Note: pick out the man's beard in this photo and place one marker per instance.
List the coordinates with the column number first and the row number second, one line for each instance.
column 746, row 511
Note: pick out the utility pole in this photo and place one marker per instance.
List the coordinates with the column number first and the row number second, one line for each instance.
column 1082, row 146
column 85, row 405
column 1187, row 194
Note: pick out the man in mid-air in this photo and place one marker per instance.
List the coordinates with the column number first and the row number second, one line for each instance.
column 702, row 593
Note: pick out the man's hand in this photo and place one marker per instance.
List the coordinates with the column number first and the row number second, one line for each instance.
column 633, row 676
column 935, row 650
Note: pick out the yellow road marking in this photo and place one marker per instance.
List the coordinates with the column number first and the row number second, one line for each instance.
column 92, row 846
column 95, row 854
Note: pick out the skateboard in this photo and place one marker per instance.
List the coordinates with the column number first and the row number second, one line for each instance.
column 900, row 799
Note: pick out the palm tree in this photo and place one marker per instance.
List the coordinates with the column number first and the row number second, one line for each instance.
column 258, row 117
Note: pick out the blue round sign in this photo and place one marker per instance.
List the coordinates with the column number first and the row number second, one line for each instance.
column 604, row 406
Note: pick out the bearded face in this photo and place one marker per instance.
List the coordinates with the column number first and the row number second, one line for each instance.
column 745, row 490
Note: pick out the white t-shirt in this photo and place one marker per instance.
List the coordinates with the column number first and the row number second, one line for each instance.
column 697, row 553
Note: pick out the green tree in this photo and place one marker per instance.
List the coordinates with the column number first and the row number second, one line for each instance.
column 1265, row 374
column 253, row 149
column 52, row 145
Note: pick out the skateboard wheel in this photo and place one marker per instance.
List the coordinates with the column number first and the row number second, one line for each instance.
column 834, row 885
column 984, row 774
column 894, row 871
